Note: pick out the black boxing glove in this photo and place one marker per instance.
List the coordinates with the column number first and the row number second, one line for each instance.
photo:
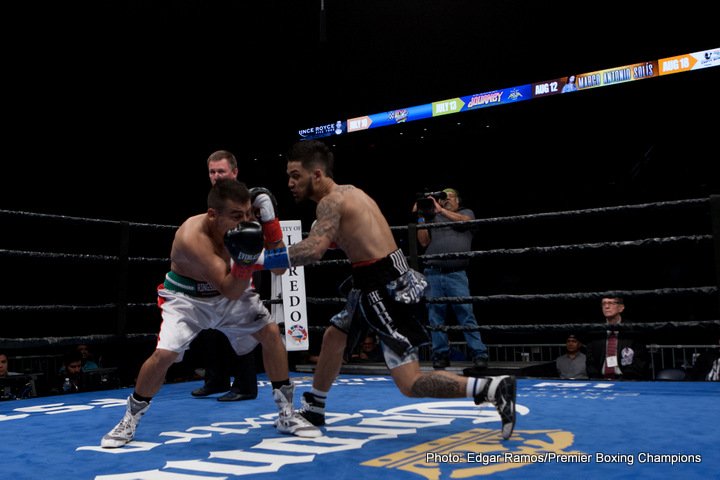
column 245, row 244
column 265, row 206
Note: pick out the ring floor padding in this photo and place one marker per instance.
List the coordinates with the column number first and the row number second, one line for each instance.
column 586, row 429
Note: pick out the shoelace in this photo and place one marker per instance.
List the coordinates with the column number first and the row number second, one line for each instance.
column 305, row 422
column 307, row 408
column 123, row 425
column 300, row 421
column 286, row 411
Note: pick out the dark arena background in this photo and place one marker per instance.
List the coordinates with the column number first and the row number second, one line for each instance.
column 112, row 108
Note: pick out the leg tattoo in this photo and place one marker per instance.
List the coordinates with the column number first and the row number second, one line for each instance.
column 437, row 386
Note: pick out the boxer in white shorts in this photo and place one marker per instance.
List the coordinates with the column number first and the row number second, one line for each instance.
column 189, row 306
column 205, row 290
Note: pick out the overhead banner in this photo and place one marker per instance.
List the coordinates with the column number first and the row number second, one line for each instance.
column 570, row 83
column 292, row 313
column 691, row 61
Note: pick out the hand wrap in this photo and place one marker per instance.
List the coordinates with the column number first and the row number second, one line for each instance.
column 277, row 258
column 242, row 271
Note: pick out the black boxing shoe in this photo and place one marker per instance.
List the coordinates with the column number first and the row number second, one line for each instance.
column 233, row 396
column 501, row 392
column 480, row 363
column 209, row 389
column 441, row 363
column 312, row 409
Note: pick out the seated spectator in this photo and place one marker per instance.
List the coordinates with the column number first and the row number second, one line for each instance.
column 13, row 384
column 4, row 365
column 707, row 366
column 571, row 364
column 70, row 379
column 370, row 351
column 616, row 354
column 88, row 359
column 309, row 356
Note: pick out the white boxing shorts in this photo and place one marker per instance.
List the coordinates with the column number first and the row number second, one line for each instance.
column 188, row 307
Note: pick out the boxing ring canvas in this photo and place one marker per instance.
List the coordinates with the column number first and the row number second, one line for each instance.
column 622, row 430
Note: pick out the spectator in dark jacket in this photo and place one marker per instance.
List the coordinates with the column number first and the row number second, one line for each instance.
column 707, row 366
column 616, row 353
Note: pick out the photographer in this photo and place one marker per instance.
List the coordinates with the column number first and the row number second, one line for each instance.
column 447, row 278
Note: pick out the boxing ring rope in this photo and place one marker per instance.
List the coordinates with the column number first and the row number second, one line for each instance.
column 124, row 259
column 33, row 342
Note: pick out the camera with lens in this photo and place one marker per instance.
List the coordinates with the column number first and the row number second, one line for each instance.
column 425, row 205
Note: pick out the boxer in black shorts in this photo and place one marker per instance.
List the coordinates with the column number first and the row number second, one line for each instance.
column 389, row 291
column 396, row 323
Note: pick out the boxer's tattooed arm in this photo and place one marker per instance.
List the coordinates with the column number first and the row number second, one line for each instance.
column 437, row 386
column 303, row 253
column 322, row 233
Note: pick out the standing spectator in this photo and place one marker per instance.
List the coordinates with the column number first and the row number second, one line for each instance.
column 447, row 278
column 571, row 364
column 615, row 354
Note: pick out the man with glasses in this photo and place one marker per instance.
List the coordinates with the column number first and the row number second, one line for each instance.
column 616, row 354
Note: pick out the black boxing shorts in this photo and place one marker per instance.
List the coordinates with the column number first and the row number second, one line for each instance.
column 349, row 321
column 390, row 295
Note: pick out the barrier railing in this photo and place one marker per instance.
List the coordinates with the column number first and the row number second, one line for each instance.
column 675, row 356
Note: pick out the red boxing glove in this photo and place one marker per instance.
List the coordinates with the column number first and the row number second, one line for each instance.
column 243, row 272
column 272, row 233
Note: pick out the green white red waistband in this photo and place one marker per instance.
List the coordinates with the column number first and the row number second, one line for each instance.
column 188, row 286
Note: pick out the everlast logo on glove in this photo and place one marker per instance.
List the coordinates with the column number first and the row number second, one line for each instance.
column 245, row 242
column 245, row 258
